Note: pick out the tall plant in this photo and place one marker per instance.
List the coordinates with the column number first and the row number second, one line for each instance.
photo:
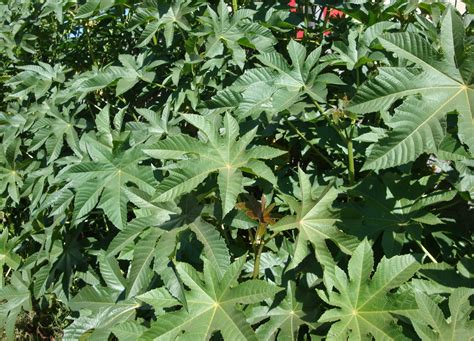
column 235, row 170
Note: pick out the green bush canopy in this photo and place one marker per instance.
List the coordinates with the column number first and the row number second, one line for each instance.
column 236, row 170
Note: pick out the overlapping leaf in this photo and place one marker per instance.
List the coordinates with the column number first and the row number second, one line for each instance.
column 278, row 85
column 444, row 83
column 286, row 318
column 15, row 297
column 103, row 181
column 173, row 268
column 364, row 304
column 386, row 209
column 315, row 221
column 212, row 305
column 165, row 18
column 430, row 322
column 226, row 154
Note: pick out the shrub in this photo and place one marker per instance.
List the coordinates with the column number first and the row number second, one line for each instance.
column 242, row 170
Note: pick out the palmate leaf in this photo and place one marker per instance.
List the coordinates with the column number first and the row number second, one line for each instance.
column 430, row 323
column 278, row 85
column 171, row 16
column 286, row 318
column 14, row 298
column 116, row 303
column 364, row 302
column 315, row 221
column 106, row 178
column 36, row 79
column 226, row 154
column 133, row 69
column 357, row 53
column 52, row 130
column 394, row 206
column 445, row 85
column 223, row 30
column 301, row 75
column 212, row 305
column 98, row 325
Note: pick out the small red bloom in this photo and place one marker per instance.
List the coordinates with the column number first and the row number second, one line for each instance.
column 333, row 13
column 299, row 34
column 293, row 5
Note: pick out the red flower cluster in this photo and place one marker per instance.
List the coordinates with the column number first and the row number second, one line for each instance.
column 293, row 5
column 333, row 13
column 327, row 12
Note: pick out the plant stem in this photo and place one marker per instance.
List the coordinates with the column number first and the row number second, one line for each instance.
column 256, row 266
column 89, row 45
column 350, row 155
column 306, row 21
column 427, row 253
column 317, row 105
column 235, row 5
column 271, row 237
column 8, row 272
column 316, row 150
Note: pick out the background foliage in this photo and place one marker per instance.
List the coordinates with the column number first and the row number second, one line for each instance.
column 188, row 169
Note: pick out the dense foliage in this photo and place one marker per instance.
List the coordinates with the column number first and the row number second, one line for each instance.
column 201, row 169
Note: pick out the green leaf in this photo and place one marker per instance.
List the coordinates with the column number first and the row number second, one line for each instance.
column 164, row 265
column 100, row 324
column 110, row 271
column 287, row 318
column 87, row 9
column 140, row 271
column 107, row 178
column 214, row 246
column 316, row 222
column 230, row 182
column 393, row 206
column 7, row 255
column 128, row 331
column 220, row 153
column 364, row 302
column 277, row 86
column 35, row 79
column 14, row 297
column 430, row 323
column 212, row 305
column 158, row 298
column 418, row 124
column 95, row 298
